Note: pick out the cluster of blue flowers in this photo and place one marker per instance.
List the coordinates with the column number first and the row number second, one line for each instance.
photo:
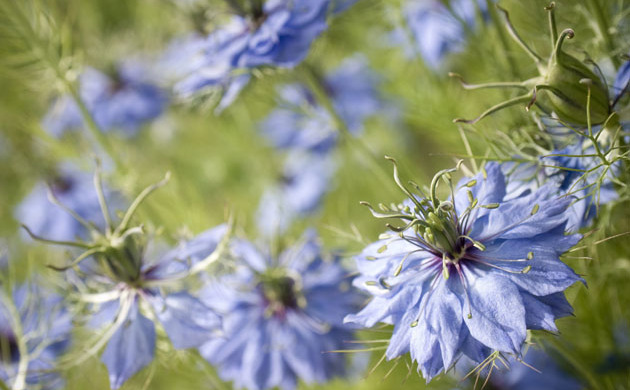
column 460, row 279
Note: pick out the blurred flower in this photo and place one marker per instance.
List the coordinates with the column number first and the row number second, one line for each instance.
column 122, row 281
column 45, row 328
column 622, row 81
column 434, row 30
column 300, row 122
column 122, row 101
column 299, row 192
column 281, row 317
column 467, row 276
column 525, row 377
column 72, row 188
column 279, row 33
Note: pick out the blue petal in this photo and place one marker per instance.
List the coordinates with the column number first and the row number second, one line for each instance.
column 130, row 349
column 187, row 321
column 498, row 314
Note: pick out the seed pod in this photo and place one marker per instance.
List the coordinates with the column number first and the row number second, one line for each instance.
column 569, row 82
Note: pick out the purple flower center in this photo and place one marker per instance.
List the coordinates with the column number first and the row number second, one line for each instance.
column 9, row 351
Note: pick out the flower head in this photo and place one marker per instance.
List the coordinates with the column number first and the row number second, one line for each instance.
column 34, row 330
column 278, row 33
column 122, row 101
column 281, row 317
column 467, row 276
column 129, row 288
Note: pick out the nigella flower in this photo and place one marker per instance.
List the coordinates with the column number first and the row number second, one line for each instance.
column 273, row 33
column 44, row 330
column 129, row 289
column 73, row 188
column 124, row 100
column 301, row 122
column 305, row 180
column 436, row 29
column 467, row 276
column 621, row 86
column 281, row 317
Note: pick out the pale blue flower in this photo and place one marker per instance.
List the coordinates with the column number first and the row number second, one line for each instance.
column 470, row 276
column 301, row 122
column 123, row 101
column 621, row 85
column 280, row 33
column 75, row 190
column 435, row 29
column 305, row 180
column 46, row 327
column 282, row 317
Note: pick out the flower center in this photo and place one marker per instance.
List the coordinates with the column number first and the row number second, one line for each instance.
column 9, row 351
column 281, row 292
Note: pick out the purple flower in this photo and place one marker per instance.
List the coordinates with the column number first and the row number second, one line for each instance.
column 124, row 101
column 621, row 85
column 299, row 192
column 45, row 331
column 281, row 317
column 436, row 30
column 72, row 188
column 467, row 276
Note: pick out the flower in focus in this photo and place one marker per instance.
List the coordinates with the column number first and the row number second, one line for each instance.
column 299, row 192
column 44, row 332
column 122, row 101
column 436, row 29
column 281, row 317
column 75, row 190
column 467, row 276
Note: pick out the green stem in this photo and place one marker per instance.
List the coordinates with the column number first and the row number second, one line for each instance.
column 356, row 143
column 604, row 28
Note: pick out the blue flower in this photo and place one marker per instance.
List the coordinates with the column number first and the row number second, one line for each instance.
column 570, row 179
column 72, row 188
column 436, row 30
column 124, row 101
column 467, row 276
column 123, row 280
column 523, row 377
column 300, row 122
column 281, row 316
column 280, row 33
column 45, row 327
column 120, row 302
column 299, row 192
